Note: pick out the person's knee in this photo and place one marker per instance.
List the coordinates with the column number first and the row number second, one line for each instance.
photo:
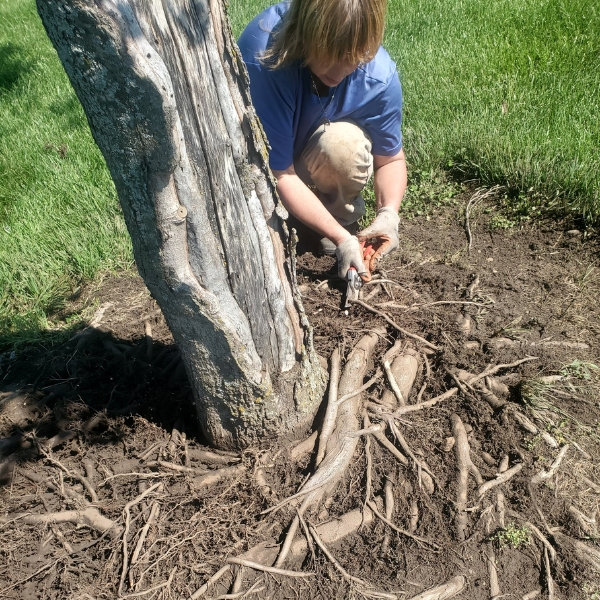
column 338, row 157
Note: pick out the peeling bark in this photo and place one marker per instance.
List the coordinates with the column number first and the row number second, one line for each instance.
column 166, row 96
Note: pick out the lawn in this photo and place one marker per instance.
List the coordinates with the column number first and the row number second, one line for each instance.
column 60, row 222
column 505, row 92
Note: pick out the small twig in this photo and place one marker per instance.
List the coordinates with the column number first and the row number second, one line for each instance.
column 274, row 570
column 417, row 538
column 395, row 325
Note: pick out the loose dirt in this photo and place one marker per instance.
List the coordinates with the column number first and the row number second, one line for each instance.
column 106, row 421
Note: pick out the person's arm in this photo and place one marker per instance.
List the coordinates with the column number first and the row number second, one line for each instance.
column 390, row 185
column 306, row 207
column 390, row 180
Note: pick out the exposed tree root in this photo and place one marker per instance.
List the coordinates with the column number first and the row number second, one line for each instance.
column 548, row 574
column 368, row 589
column 88, row 517
column 465, row 466
column 126, row 512
column 305, row 447
column 258, row 567
column 417, row 538
column 403, row 410
column 543, row 475
column 331, row 411
column 451, row 588
column 341, row 446
column 501, row 478
column 388, row 491
column 204, row 588
column 588, row 555
column 396, row 326
column 492, row 571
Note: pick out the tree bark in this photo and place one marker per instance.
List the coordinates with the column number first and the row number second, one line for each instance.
column 166, row 95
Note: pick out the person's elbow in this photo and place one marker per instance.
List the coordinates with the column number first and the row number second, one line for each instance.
column 381, row 161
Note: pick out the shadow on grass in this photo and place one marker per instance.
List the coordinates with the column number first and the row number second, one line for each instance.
column 12, row 66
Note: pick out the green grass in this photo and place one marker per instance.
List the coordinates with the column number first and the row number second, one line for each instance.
column 506, row 92
column 60, row 223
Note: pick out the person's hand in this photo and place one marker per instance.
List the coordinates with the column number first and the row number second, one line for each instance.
column 384, row 225
column 350, row 254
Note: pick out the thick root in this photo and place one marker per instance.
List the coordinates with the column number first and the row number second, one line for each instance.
column 445, row 591
column 89, row 517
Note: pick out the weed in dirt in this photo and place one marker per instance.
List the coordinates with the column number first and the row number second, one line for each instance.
column 500, row 221
column 512, row 536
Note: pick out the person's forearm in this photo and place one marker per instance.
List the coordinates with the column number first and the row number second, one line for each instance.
column 390, row 183
column 306, row 207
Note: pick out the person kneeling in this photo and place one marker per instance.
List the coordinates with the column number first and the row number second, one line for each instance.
column 330, row 101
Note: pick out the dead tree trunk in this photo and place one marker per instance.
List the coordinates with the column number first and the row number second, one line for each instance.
column 166, row 97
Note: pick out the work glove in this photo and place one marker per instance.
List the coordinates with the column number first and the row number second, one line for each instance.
column 384, row 230
column 350, row 254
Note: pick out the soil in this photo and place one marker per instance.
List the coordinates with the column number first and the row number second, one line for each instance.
column 105, row 409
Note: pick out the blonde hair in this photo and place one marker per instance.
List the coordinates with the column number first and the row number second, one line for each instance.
column 331, row 31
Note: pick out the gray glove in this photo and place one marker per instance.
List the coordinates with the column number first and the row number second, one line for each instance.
column 385, row 223
column 349, row 254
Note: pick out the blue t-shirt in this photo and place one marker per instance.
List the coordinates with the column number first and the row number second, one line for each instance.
column 290, row 111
